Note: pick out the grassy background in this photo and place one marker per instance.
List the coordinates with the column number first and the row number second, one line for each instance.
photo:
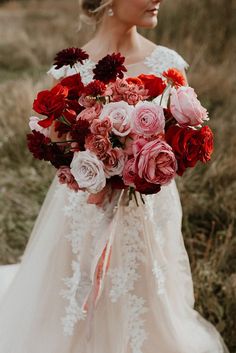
column 203, row 32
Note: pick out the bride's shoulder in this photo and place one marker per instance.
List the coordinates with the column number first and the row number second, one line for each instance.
column 162, row 58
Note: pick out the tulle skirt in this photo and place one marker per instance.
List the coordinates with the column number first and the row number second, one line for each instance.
column 115, row 279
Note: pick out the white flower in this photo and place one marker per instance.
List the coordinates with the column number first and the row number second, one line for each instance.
column 88, row 171
column 119, row 114
column 33, row 124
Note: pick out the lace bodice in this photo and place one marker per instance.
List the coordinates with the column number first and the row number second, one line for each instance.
column 158, row 61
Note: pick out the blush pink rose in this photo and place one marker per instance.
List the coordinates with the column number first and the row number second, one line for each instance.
column 148, row 119
column 90, row 113
column 186, row 108
column 99, row 144
column 119, row 114
column 88, row 171
column 156, row 162
column 33, row 124
column 65, row 177
column 114, row 162
column 101, row 127
column 129, row 172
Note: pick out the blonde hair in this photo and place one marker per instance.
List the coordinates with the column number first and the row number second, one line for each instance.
column 92, row 11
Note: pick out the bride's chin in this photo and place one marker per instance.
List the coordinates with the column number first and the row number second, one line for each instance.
column 152, row 23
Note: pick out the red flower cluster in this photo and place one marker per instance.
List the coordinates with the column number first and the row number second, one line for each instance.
column 115, row 132
column 190, row 145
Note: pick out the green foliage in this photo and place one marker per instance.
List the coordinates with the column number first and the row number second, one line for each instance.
column 203, row 33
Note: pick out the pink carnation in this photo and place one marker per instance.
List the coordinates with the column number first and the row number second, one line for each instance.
column 98, row 144
column 156, row 162
column 101, row 127
column 65, row 177
column 129, row 92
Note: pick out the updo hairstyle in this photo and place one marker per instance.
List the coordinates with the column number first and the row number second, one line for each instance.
column 91, row 11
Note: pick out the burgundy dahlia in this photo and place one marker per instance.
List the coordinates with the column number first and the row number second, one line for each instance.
column 69, row 56
column 37, row 144
column 109, row 68
column 42, row 148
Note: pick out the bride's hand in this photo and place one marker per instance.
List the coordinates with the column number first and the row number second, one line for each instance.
column 97, row 199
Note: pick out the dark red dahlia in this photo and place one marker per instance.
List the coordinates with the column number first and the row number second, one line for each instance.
column 37, row 144
column 57, row 157
column 79, row 131
column 95, row 88
column 42, row 148
column 109, row 68
column 69, row 56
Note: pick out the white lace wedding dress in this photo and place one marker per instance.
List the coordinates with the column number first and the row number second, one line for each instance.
column 111, row 280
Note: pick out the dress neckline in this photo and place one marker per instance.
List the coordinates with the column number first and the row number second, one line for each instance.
column 147, row 57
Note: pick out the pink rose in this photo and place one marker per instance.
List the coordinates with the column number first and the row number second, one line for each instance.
column 129, row 172
column 90, row 113
column 101, row 127
column 156, row 162
column 98, row 144
column 114, row 162
column 65, row 177
column 88, row 171
column 33, row 124
column 148, row 119
column 186, row 108
column 119, row 114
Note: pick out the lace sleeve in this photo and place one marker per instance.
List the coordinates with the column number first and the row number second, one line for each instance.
column 162, row 58
column 85, row 71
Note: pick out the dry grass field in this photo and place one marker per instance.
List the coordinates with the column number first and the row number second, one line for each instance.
column 203, row 33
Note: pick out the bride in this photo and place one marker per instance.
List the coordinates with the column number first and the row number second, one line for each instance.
column 116, row 278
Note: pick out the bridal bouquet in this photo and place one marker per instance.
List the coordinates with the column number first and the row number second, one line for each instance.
column 114, row 132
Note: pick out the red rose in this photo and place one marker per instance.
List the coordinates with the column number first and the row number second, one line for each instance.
column 190, row 145
column 74, row 84
column 205, row 137
column 155, row 85
column 51, row 103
